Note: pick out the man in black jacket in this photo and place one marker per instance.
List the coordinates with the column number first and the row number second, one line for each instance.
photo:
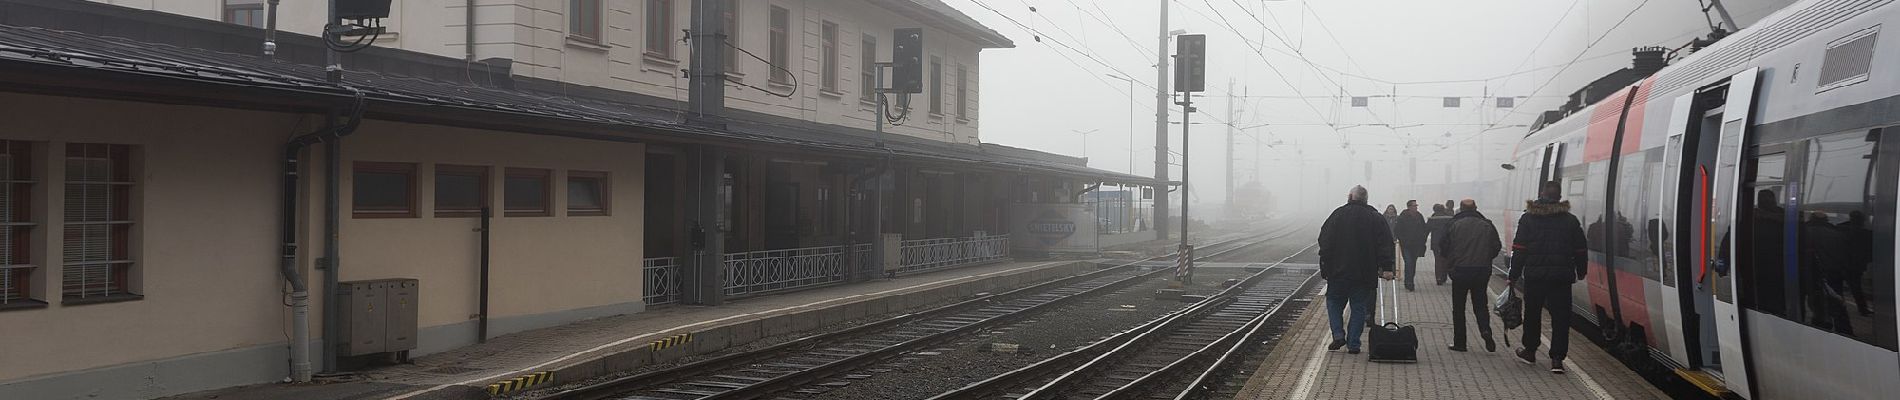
column 1547, row 256
column 1438, row 224
column 1411, row 232
column 1355, row 251
column 1469, row 244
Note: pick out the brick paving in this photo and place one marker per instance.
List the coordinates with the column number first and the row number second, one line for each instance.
column 1301, row 368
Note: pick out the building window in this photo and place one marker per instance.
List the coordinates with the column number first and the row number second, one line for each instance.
column 587, row 194
column 383, row 190
column 526, row 192
column 660, row 28
column 963, row 92
column 244, row 12
column 936, row 85
column 16, row 225
column 583, row 20
column 828, row 42
column 781, row 44
column 867, row 69
column 97, row 246
column 732, row 36
column 460, row 190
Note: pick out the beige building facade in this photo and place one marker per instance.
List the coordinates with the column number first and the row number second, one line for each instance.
column 143, row 208
column 197, row 282
column 800, row 59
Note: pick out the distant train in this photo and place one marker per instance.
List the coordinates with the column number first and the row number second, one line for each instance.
column 1740, row 205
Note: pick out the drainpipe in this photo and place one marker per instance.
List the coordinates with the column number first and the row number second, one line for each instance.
column 468, row 30
column 300, row 369
column 270, row 31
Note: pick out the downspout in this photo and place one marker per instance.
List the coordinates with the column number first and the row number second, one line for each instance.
column 468, row 30
column 300, row 369
column 270, row 30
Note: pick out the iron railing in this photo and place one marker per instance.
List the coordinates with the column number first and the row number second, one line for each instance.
column 662, row 280
column 756, row 272
column 930, row 254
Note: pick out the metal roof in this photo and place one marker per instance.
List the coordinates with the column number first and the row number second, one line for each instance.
column 69, row 53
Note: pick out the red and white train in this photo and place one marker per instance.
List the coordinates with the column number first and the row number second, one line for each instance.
column 1741, row 205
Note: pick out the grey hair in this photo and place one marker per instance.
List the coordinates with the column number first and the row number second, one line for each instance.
column 1358, row 193
column 1468, row 204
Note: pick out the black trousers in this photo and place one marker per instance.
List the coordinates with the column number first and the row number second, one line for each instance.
column 1555, row 297
column 1461, row 290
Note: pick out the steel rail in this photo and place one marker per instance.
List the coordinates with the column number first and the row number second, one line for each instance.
column 1233, row 343
column 611, row 388
column 1101, row 352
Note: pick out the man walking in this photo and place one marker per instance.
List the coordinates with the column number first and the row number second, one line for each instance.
column 1438, row 224
column 1547, row 256
column 1355, row 251
column 1470, row 243
column 1411, row 232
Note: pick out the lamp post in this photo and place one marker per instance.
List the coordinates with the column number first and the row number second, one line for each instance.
column 1085, row 141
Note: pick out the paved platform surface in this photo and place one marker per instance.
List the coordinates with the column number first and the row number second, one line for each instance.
column 1301, row 368
column 454, row 374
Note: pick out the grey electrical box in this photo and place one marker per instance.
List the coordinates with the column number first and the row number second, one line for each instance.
column 379, row 316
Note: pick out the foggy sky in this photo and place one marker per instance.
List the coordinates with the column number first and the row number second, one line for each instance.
column 1039, row 93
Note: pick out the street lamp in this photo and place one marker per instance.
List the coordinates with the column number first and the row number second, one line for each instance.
column 1085, row 141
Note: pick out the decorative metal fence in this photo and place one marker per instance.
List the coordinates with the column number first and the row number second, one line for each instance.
column 757, row 272
column 930, row 254
column 662, row 280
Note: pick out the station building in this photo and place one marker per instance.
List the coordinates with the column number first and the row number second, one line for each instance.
column 512, row 166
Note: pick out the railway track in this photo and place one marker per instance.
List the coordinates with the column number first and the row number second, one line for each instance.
column 787, row 366
column 1177, row 356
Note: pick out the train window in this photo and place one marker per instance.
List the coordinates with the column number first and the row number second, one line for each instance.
column 1764, row 280
column 1847, row 205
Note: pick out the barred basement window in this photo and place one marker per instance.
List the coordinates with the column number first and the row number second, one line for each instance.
column 16, row 225
column 97, row 246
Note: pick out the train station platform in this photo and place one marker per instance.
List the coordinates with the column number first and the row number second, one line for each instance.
column 621, row 343
column 1301, row 368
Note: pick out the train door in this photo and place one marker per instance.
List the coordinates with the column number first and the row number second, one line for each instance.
column 1724, row 206
column 1677, row 321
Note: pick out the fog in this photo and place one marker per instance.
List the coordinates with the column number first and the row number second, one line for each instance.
column 1288, row 70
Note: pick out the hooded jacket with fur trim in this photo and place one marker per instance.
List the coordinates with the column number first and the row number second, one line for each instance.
column 1549, row 246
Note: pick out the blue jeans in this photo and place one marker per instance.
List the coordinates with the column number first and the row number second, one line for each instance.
column 1337, row 298
column 1411, row 268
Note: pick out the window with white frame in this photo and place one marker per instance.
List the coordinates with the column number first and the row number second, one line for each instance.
column 584, row 20
column 244, row 12
column 660, row 28
column 781, row 54
column 16, row 225
column 963, row 92
column 828, row 51
column 732, row 36
column 97, row 244
column 867, row 69
column 936, row 85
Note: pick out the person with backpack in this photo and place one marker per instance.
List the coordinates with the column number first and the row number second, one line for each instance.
column 1548, row 255
column 1355, row 251
column 1470, row 243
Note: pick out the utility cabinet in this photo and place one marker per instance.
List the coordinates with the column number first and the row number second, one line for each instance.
column 379, row 316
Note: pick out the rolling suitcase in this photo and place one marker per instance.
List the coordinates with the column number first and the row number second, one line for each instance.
column 1390, row 342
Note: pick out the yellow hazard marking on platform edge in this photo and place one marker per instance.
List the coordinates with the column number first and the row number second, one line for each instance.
column 670, row 341
column 520, row 382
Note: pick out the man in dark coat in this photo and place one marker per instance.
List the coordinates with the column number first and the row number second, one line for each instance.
column 1437, row 225
column 1355, row 251
column 1547, row 256
column 1470, row 243
column 1411, row 232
